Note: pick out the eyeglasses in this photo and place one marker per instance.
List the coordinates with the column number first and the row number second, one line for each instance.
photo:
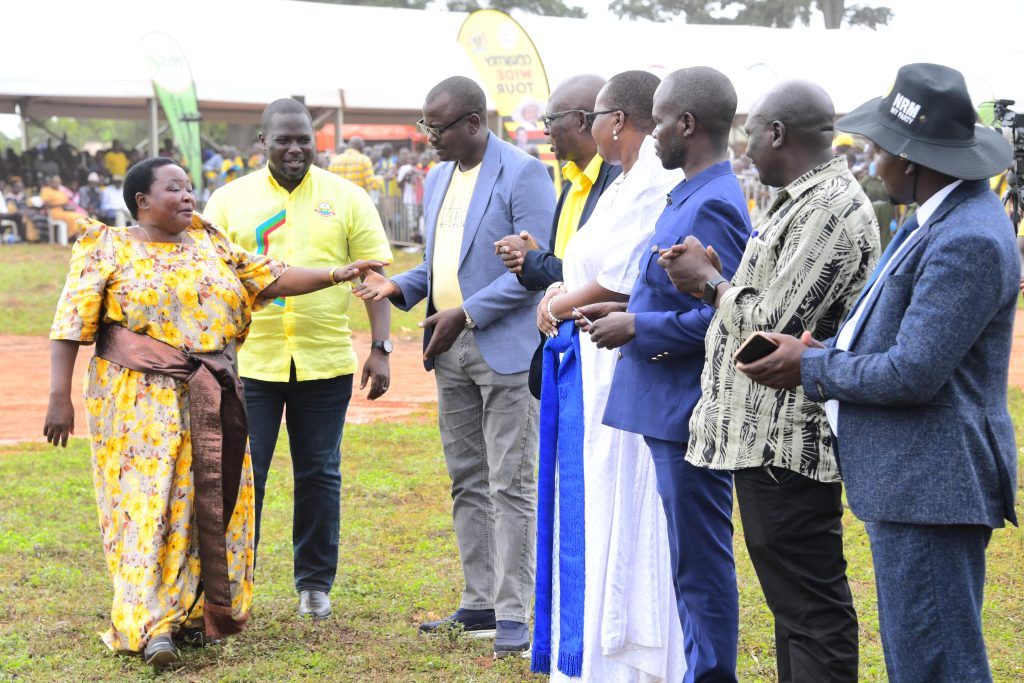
column 591, row 116
column 431, row 131
column 548, row 119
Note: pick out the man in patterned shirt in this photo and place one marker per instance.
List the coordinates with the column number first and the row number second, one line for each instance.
column 802, row 269
column 353, row 165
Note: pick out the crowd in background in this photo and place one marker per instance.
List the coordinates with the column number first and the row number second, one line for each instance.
column 48, row 188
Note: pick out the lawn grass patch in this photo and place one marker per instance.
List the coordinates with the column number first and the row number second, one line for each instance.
column 398, row 566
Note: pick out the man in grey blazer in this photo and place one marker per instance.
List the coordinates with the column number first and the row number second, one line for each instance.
column 479, row 336
column 915, row 382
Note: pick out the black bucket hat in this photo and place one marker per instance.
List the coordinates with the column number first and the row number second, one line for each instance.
column 927, row 118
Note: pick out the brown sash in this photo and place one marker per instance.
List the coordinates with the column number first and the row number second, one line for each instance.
column 218, row 431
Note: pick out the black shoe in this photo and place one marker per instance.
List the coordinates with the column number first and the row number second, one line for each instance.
column 160, row 652
column 513, row 638
column 478, row 623
column 195, row 637
column 314, row 604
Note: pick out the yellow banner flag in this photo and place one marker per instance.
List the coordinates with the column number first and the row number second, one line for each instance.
column 511, row 70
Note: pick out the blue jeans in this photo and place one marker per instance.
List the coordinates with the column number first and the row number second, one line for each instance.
column 930, row 582
column 698, row 508
column 315, row 420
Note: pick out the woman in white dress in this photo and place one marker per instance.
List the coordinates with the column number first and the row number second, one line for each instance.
column 630, row 629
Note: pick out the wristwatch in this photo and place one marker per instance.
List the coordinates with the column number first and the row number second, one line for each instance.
column 384, row 345
column 711, row 289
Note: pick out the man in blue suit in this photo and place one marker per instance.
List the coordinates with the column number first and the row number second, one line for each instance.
column 479, row 336
column 915, row 381
column 657, row 379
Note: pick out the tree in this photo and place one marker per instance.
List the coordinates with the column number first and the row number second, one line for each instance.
column 547, row 8
column 776, row 13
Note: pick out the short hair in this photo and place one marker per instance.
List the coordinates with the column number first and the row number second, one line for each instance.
column 709, row 95
column 633, row 93
column 464, row 93
column 140, row 178
column 285, row 105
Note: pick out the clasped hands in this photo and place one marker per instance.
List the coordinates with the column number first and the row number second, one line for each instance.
column 512, row 250
column 689, row 266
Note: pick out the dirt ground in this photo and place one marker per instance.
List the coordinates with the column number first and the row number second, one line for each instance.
column 24, row 386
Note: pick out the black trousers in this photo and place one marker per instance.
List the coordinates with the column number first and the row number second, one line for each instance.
column 793, row 530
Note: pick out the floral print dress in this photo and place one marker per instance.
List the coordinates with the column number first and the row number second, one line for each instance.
column 196, row 297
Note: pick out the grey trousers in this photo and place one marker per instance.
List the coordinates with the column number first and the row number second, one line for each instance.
column 488, row 426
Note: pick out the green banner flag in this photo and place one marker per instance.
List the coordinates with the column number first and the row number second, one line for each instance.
column 176, row 92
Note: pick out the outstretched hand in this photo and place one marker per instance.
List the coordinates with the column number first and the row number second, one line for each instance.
column 781, row 368
column 375, row 287
column 354, row 270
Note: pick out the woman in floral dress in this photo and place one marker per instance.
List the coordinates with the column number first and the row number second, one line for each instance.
column 178, row 280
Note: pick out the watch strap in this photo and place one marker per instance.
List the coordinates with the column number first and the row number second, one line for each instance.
column 711, row 289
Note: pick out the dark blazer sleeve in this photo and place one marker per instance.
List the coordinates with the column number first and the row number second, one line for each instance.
column 540, row 269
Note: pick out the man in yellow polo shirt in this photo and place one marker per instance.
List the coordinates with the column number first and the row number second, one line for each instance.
column 299, row 352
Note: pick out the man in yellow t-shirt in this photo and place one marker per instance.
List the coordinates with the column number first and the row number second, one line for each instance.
column 299, row 351
column 115, row 160
column 479, row 335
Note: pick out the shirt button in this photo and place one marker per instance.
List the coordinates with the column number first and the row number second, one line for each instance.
column 654, row 249
column 620, row 355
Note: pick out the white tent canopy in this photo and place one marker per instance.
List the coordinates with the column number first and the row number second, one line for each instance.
column 376, row 64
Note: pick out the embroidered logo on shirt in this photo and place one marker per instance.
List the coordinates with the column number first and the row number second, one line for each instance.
column 324, row 208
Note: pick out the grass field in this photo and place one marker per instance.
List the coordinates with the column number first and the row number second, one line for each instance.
column 32, row 276
column 398, row 566
column 399, row 563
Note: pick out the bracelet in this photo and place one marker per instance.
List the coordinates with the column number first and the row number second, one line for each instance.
column 330, row 275
column 555, row 285
column 551, row 315
column 470, row 323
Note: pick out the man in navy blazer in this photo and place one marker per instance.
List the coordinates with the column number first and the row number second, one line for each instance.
column 479, row 336
column 657, row 378
column 915, row 381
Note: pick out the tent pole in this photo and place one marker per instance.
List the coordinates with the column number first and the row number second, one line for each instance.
column 154, row 127
column 339, row 122
column 23, row 125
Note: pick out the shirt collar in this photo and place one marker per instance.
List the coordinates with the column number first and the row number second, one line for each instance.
column 274, row 184
column 675, row 196
column 830, row 169
column 925, row 211
column 587, row 177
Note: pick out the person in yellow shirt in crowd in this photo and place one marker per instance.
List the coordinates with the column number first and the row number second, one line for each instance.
column 299, row 352
column 115, row 160
column 353, row 165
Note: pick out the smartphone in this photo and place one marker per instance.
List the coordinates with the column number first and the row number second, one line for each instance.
column 584, row 318
column 756, row 347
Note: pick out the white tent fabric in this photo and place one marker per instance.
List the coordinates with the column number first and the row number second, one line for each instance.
column 245, row 53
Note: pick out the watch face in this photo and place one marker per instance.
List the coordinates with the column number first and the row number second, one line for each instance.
column 387, row 346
